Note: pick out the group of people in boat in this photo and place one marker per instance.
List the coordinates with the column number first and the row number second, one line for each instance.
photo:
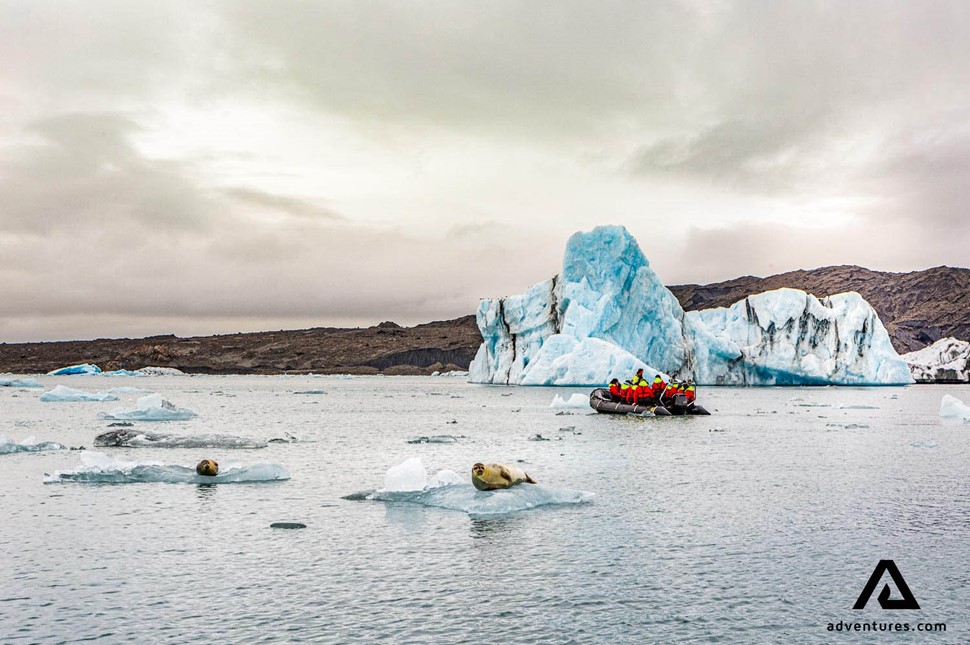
column 638, row 391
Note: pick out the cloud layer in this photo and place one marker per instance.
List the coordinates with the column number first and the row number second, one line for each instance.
column 220, row 166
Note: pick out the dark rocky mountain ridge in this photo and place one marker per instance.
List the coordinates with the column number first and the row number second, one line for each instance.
column 917, row 309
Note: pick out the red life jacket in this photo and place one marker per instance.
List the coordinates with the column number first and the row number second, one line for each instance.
column 615, row 390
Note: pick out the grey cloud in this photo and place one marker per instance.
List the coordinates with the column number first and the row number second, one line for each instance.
column 283, row 204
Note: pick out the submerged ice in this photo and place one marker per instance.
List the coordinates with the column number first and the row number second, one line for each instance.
column 99, row 468
column 607, row 314
column 9, row 380
column 408, row 483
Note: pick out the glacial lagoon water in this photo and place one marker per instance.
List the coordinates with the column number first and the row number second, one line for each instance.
column 761, row 523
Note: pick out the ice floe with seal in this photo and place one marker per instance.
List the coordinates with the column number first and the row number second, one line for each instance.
column 953, row 408
column 408, row 483
column 150, row 408
column 129, row 438
column 64, row 394
column 9, row 446
column 9, row 380
column 99, row 468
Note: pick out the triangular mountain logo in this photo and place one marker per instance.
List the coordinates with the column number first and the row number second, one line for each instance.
column 908, row 601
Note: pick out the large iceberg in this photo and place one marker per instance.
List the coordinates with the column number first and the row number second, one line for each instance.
column 83, row 368
column 945, row 361
column 607, row 314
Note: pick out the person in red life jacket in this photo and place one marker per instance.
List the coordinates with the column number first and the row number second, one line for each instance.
column 629, row 393
column 615, row 391
column 658, row 387
column 689, row 392
column 642, row 388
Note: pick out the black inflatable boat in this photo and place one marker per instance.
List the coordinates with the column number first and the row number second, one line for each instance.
column 601, row 401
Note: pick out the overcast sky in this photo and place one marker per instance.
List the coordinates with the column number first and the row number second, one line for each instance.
column 207, row 167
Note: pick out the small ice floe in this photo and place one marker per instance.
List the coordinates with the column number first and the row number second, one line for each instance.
column 577, row 401
column 924, row 443
column 64, row 394
column 858, row 407
column 83, row 368
column 452, row 374
column 99, row 468
column 408, row 483
column 8, row 380
column 848, row 426
column 128, row 390
column 150, row 408
column 9, row 447
column 286, row 438
column 124, row 373
column 437, row 438
column 310, row 392
column 538, row 437
column 160, row 371
column 953, row 408
column 128, row 438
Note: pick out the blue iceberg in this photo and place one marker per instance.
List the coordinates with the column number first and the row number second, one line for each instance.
column 607, row 314
column 83, row 368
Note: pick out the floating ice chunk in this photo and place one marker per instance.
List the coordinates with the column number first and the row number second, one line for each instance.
column 407, row 476
column 8, row 380
column 952, row 407
column 99, row 468
column 149, row 408
column 138, row 439
column 575, row 402
column 465, row 497
column 83, row 368
column 8, row 446
column 437, row 438
column 64, row 394
column 160, row 371
column 858, row 407
column 124, row 373
column 926, row 443
column 406, row 483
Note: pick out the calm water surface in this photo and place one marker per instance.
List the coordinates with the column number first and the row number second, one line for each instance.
column 761, row 523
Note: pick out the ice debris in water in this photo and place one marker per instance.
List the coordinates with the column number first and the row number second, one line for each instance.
column 129, row 438
column 99, row 468
column 8, row 446
column 952, row 407
column 128, row 390
column 83, row 368
column 8, row 380
column 575, row 402
column 407, row 483
column 64, row 394
column 149, row 408
column 437, row 438
column 124, row 373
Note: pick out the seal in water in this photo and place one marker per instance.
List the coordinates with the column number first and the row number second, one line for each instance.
column 494, row 476
column 207, row 468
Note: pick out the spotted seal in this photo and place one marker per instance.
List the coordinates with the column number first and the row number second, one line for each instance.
column 494, row 476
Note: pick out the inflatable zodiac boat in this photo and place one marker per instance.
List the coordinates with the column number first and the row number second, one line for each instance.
column 601, row 401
